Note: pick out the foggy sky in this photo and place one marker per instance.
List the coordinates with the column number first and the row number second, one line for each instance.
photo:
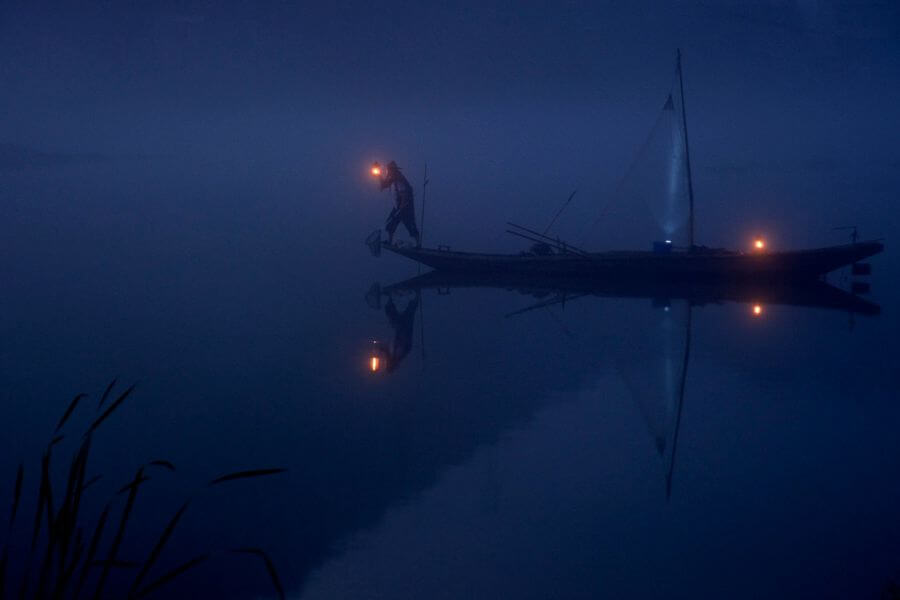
column 513, row 104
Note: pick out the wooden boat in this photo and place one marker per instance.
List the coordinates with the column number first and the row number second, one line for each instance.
column 696, row 264
column 552, row 257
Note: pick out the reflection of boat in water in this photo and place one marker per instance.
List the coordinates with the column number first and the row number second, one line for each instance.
column 666, row 262
column 654, row 364
column 804, row 294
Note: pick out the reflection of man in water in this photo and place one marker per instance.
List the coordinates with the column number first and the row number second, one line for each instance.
column 402, row 324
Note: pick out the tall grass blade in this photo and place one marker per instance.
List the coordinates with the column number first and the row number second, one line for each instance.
column 46, row 501
column 69, row 412
column 132, row 485
column 45, row 476
column 163, row 463
column 91, row 482
column 17, row 496
column 270, row 566
column 168, row 577
column 26, row 579
column 116, row 564
column 52, row 530
column 157, row 550
column 112, row 407
column 65, row 574
column 42, row 502
column 92, row 551
column 67, row 519
column 3, row 562
column 106, row 393
column 120, row 533
column 245, row 475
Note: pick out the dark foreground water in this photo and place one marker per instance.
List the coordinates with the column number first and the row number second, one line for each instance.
column 531, row 456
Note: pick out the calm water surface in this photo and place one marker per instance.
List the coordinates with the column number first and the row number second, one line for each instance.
column 531, row 455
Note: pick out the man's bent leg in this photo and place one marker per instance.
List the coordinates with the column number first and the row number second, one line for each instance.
column 390, row 226
column 409, row 220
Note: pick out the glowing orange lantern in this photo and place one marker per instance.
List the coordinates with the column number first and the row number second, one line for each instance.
column 757, row 310
column 759, row 244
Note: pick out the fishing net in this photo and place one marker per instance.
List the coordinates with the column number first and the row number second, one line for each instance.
column 658, row 179
column 650, row 202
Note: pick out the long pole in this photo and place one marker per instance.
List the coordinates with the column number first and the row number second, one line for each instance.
column 424, row 190
column 687, row 157
column 547, row 239
column 421, row 324
column 559, row 212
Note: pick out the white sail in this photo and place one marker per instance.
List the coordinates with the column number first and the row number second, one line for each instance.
column 654, row 195
column 657, row 182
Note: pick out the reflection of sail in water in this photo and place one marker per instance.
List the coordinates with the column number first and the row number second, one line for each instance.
column 654, row 369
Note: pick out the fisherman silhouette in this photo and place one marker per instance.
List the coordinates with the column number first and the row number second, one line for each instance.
column 404, row 206
column 402, row 324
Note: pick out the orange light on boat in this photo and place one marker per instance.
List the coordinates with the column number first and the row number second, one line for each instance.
column 757, row 310
column 376, row 170
column 759, row 243
column 374, row 364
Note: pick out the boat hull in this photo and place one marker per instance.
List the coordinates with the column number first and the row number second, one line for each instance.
column 669, row 266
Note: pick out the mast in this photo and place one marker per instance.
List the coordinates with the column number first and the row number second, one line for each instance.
column 687, row 156
column 424, row 190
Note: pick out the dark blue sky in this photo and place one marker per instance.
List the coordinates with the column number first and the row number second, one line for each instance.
column 315, row 55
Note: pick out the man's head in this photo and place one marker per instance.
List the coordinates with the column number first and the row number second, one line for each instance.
column 389, row 175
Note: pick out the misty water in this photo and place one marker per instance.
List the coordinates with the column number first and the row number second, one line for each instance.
column 505, row 455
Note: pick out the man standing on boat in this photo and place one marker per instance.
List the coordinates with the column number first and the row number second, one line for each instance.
column 404, row 206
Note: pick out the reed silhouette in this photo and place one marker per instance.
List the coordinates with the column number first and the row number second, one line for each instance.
column 71, row 556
